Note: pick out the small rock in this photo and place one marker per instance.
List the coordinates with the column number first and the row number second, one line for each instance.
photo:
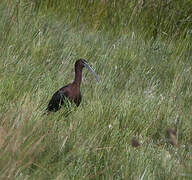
column 135, row 142
column 172, row 137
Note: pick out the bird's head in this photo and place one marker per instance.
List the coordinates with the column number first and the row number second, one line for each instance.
column 81, row 63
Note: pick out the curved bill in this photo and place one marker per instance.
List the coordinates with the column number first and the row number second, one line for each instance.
column 90, row 69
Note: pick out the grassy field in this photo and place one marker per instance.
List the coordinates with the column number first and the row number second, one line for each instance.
column 145, row 89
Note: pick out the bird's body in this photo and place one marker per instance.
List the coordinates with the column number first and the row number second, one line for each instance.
column 70, row 92
column 66, row 93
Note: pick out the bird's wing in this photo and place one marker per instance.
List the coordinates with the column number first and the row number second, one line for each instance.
column 57, row 99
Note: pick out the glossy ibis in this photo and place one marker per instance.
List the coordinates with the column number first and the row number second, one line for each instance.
column 70, row 92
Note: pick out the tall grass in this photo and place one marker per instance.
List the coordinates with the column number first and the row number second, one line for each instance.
column 151, row 18
column 145, row 88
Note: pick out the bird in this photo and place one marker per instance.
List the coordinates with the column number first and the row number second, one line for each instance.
column 71, row 92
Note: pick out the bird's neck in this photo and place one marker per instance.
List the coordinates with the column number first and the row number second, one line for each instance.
column 78, row 77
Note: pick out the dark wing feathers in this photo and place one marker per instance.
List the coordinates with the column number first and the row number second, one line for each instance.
column 57, row 100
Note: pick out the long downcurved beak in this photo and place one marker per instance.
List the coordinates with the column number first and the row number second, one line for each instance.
column 90, row 69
